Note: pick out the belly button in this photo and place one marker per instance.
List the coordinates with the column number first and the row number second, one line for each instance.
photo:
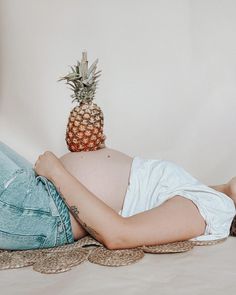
column 108, row 156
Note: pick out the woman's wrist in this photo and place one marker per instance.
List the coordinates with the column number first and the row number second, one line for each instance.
column 57, row 175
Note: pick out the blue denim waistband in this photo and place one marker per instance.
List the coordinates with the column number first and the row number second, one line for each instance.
column 61, row 207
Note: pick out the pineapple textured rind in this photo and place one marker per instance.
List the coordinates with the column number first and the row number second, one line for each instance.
column 84, row 130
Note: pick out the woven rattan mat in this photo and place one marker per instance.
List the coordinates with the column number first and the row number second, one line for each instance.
column 63, row 258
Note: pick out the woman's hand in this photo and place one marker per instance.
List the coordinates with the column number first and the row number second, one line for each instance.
column 48, row 165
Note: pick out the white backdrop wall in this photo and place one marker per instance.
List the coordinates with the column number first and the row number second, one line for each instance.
column 167, row 88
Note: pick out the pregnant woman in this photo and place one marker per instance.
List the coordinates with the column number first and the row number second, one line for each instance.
column 122, row 201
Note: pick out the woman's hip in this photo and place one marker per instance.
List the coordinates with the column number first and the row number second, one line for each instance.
column 32, row 214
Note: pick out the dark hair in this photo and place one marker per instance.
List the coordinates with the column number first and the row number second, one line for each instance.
column 233, row 227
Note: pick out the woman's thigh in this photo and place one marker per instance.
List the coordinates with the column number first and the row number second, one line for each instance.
column 22, row 219
column 177, row 219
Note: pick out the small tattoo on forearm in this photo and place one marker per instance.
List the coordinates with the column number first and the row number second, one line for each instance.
column 75, row 212
column 74, row 209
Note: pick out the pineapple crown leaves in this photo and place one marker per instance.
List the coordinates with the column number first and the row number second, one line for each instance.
column 82, row 80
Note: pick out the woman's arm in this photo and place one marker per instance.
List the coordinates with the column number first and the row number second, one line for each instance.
column 96, row 217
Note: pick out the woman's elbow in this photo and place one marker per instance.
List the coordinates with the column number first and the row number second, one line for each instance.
column 116, row 238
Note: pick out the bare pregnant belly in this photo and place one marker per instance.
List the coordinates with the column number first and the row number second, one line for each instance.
column 104, row 172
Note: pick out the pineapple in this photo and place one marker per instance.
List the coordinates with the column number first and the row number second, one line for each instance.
column 84, row 130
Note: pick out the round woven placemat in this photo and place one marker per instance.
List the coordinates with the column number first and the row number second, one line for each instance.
column 16, row 259
column 57, row 255
column 175, row 247
column 56, row 263
column 86, row 241
column 208, row 243
column 120, row 257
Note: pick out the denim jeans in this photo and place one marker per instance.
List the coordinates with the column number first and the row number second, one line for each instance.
column 32, row 213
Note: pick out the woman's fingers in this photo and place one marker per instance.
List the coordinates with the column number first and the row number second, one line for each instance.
column 36, row 163
column 47, row 164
